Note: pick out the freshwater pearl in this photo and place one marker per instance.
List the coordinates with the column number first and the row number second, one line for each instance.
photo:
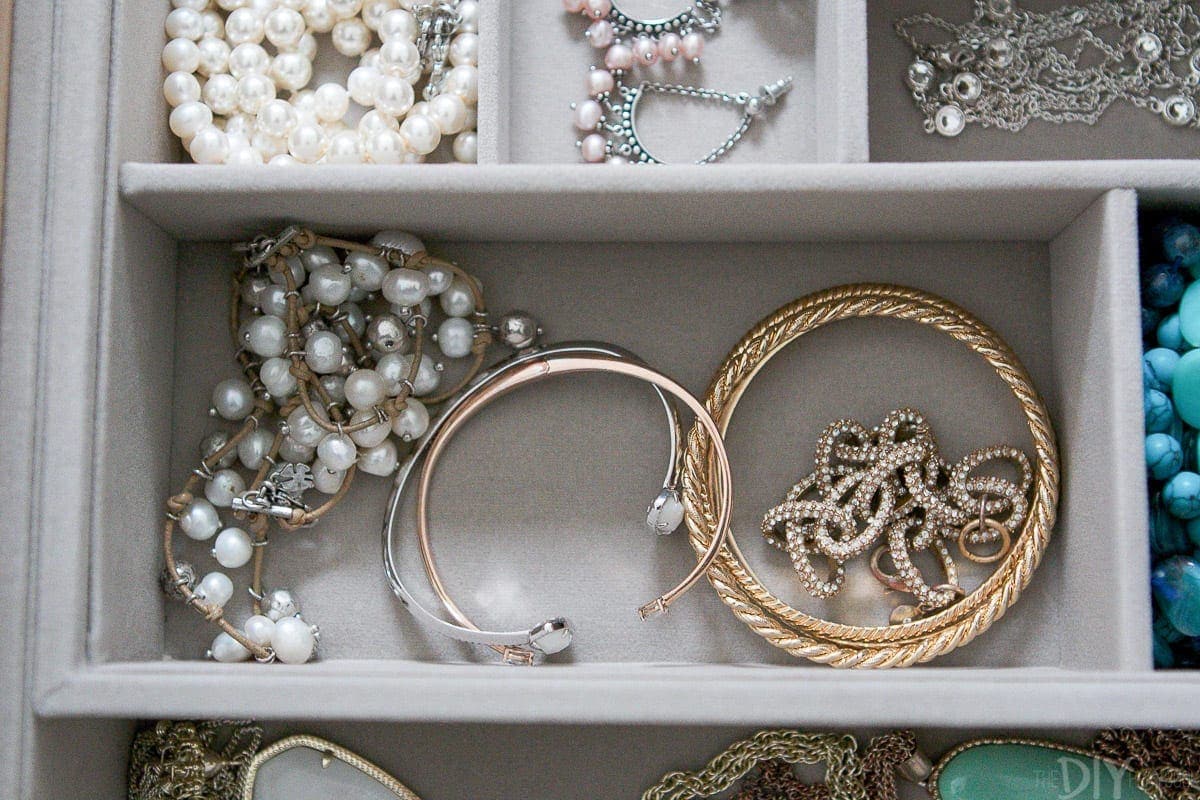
column 296, row 453
column 214, row 56
column 386, row 147
column 254, row 447
column 284, row 27
column 291, row 71
column 597, row 9
column 412, row 421
column 243, row 25
column 402, row 241
column 600, row 33
column 188, row 118
column 645, row 50
column 465, row 50
column 233, row 549
column 335, row 387
column 185, row 23
column 307, row 143
column 292, row 640
column 365, row 389
column 181, row 55
column 221, row 95
column 351, row 37
column 200, row 520
column 599, row 81
column 215, row 442
column 326, row 480
column 669, row 46
column 362, row 84
column 458, row 300
column 394, row 96
column 456, row 336
column 594, row 148
column 277, row 118
column 448, row 112
column 267, row 336
column 394, row 370
column 373, row 11
column 227, row 650
column 254, row 92
column 374, row 434
column 466, row 147
column 330, row 285
column 319, row 16
column 337, row 451
column 397, row 24
column 280, row 603
column 428, row 376
column 379, row 460
column 233, row 399
column 214, row 24
column 1181, row 496
column 215, row 589
column 303, row 429
column 323, row 352
column 259, row 629
column 439, row 277
column 421, row 134
column 405, row 287
column 367, row 271
column 588, row 115
column 249, row 59
column 692, row 47
column 331, row 102
column 180, row 88
column 225, row 485
column 399, row 58
column 209, row 146
column 468, row 16
column 463, row 81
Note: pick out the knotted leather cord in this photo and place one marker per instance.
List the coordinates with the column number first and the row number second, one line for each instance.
column 297, row 316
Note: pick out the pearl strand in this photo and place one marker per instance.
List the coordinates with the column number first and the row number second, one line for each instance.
column 224, row 84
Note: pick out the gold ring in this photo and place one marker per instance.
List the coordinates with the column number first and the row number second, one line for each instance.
column 971, row 527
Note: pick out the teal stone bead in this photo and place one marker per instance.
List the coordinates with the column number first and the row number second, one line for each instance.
column 1158, row 368
column 1024, row 771
column 1169, row 335
column 1164, row 656
column 1164, row 456
column 1166, row 631
column 1181, row 495
column 1185, row 388
column 1168, row 536
column 1181, row 241
column 1159, row 411
column 1175, row 582
column 1189, row 314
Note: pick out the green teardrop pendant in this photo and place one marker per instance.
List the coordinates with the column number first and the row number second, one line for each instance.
column 1030, row 771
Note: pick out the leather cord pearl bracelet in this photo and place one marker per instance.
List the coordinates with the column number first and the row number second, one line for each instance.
column 913, row 638
column 554, row 635
column 333, row 337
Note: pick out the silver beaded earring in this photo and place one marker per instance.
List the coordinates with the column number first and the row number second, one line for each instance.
column 607, row 119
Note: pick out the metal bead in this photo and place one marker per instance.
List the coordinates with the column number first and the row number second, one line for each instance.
column 519, row 330
column 1179, row 109
column 921, row 75
column 755, row 106
column 172, row 585
column 967, row 87
column 950, row 120
column 387, row 334
column 1147, row 47
column 280, row 603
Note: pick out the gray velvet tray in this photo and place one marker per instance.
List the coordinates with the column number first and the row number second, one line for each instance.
column 114, row 257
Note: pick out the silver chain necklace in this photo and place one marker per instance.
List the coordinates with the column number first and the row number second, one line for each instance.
column 1009, row 66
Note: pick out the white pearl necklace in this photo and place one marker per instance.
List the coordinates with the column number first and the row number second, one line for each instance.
column 224, row 84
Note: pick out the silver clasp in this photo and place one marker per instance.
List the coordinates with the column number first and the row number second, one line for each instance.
column 281, row 494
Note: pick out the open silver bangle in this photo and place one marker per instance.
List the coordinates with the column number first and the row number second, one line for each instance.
column 664, row 514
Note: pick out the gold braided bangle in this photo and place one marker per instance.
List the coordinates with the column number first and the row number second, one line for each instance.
column 851, row 646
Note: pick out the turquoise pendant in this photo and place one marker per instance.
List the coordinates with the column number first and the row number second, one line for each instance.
column 1017, row 770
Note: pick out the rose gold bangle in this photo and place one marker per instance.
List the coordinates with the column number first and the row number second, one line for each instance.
column 536, row 370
